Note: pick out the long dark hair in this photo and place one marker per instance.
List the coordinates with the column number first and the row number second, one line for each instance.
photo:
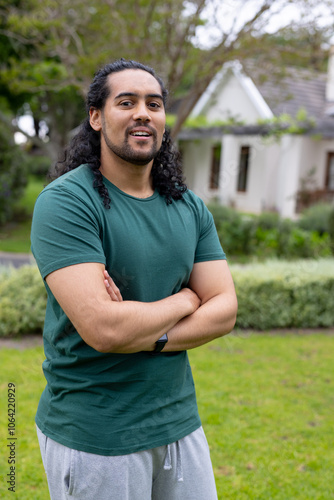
column 85, row 146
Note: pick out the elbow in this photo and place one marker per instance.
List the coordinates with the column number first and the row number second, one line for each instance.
column 230, row 320
column 98, row 338
column 231, row 324
column 101, row 345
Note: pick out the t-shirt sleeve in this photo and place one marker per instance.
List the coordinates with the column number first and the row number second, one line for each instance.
column 64, row 232
column 208, row 246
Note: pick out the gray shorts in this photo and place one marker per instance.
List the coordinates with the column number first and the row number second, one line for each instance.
column 178, row 471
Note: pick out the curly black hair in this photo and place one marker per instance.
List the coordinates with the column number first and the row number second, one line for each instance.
column 85, row 146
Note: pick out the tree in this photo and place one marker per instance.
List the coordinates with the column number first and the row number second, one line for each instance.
column 60, row 43
column 13, row 175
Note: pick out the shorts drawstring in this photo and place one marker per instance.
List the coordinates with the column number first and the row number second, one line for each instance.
column 179, row 462
column 168, row 460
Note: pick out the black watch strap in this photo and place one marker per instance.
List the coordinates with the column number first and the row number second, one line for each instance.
column 160, row 344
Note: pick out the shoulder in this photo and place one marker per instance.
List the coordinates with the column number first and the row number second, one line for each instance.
column 195, row 202
column 70, row 197
column 71, row 181
column 76, row 184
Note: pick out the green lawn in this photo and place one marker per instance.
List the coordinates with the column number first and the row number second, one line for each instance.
column 267, row 406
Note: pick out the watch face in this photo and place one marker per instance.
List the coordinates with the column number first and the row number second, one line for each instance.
column 160, row 344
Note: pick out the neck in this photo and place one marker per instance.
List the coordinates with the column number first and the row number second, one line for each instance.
column 131, row 179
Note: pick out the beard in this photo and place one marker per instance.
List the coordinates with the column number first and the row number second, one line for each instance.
column 130, row 155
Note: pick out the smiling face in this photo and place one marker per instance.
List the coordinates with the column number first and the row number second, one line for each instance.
column 132, row 121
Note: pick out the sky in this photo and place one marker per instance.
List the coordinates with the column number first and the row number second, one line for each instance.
column 227, row 12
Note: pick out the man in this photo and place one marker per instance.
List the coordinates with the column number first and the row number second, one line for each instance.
column 135, row 276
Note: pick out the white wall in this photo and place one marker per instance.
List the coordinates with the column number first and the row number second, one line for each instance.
column 299, row 155
column 197, row 166
column 310, row 157
column 275, row 170
column 289, row 175
column 262, row 174
column 230, row 99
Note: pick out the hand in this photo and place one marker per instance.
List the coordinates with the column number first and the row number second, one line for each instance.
column 111, row 288
column 193, row 299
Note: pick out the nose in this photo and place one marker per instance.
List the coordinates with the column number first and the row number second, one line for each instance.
column 141, row 112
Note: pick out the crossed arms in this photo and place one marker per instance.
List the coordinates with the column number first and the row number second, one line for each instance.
column 192, row 317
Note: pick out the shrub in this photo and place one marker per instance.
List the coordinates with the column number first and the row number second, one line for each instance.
column 316, row 218
column 276, row 294
column 268, row 220
column 22, row 302
column 331, row 228
column 38, row 165
column 285, row 295
column 13, row 174
column 307, row 244
column 269, row 236
column 234, row 230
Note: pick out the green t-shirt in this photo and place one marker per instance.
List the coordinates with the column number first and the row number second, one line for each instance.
column 105, row 403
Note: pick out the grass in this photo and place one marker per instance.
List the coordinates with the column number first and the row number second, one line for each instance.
column 266, row 403
column 15, row 237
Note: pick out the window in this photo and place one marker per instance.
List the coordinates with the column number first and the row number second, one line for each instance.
column 215, row 166
column 243, row 168
column 330, row 172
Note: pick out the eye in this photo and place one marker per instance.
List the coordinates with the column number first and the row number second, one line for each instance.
column 154, row 105
column 126, row 103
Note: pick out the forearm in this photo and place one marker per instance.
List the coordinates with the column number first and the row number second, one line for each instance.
column 129, row 326
column 213, row 319
column 104, row 321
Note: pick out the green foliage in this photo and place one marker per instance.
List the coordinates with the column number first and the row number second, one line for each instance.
column 267, row 235
column 287, row 124
column 300, row 46
column 22, row 302
column 46, row 46
column 13, row 175
column 285, row 295
column 308, row 244
column 233, row 229
column 34, row 187
column 276, row 294
column 316, row 218
column 15, row 236
column 38, row 165
column 331, row 228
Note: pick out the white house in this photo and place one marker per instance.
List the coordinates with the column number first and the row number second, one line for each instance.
column 241, row 167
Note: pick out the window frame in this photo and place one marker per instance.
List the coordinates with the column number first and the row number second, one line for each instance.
column 243, row 168
column 216, row 152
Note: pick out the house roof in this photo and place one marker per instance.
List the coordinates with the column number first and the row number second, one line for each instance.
column 298, row 88
column 273, row 95
column 245, row 81
column 325, row 128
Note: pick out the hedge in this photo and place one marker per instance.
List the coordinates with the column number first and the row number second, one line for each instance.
column 269, row 236
column 22, row 302
column 282, row 294
column 275, row 294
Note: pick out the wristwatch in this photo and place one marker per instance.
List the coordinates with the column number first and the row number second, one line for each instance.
column 160, row 344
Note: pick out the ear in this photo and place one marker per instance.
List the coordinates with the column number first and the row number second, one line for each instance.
column 95, row 118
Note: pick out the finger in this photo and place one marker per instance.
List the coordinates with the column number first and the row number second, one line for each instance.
column 113, row 289
column 110, row 291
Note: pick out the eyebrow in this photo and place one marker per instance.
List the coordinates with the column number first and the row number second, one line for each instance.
column 133, row 94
